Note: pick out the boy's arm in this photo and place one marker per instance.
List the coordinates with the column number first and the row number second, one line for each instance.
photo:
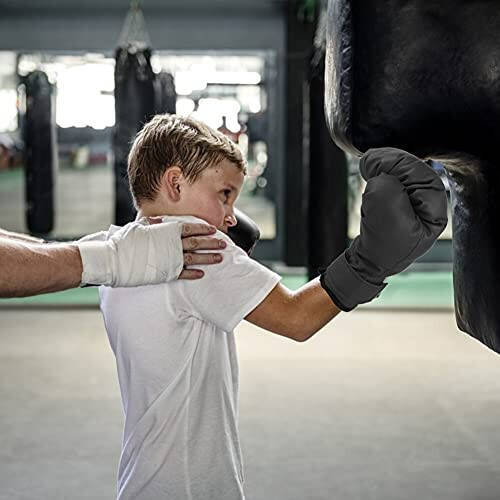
column 392, row 236
column 297, row 315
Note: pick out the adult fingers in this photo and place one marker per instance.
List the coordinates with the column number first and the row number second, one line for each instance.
column 197, row 229
column 197, row 259
column 191, row 243
column 191, row 259
column 154, row 220
column 191, row 274
column 188, row 228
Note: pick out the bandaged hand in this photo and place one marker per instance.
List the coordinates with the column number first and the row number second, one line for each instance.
column 141, row 253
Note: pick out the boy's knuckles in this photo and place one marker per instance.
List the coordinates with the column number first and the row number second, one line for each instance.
column 386, row 185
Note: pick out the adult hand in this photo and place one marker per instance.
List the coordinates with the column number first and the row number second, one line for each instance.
column 196, row 236
column 142, row 253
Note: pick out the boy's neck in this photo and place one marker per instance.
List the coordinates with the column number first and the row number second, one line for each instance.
column 154, row 209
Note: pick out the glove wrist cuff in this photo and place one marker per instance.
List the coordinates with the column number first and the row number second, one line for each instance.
column 345, row 287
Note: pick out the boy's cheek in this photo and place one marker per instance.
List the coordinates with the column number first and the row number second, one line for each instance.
column 215, row 216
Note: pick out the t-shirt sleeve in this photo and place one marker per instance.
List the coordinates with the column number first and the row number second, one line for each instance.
column 100, row 236
column 229, row 290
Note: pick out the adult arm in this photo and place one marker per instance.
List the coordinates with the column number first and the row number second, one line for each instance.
column 19, row 237
column 30, row 268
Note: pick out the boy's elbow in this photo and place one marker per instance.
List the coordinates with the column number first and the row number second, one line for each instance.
column 299, row 329
column 300, row 338
column 301, row 333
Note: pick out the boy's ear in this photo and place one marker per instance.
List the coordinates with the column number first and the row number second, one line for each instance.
column 172, row 180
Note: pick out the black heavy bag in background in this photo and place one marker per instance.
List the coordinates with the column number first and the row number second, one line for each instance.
column 166, row 96
column 424, row 76
column 134, row 106
column 39, row 137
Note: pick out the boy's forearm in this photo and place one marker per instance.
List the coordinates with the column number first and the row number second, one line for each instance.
column 297, row 315
column 314, row 309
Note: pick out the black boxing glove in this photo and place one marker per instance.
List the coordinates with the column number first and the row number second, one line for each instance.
column 246, row 233
column 403, row 211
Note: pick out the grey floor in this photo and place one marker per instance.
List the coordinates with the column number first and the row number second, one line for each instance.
column 379, row 405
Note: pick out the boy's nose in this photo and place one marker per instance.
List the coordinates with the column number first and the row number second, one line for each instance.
column 230, row 220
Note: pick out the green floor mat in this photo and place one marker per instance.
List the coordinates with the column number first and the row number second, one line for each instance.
column 406, row 290
column 11, row 179
column 419, row 290
column 88, row 296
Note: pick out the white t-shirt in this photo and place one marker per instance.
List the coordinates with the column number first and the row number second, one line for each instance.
column 178, row 373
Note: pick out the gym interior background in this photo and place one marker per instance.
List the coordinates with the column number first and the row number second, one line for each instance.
column 388, row 401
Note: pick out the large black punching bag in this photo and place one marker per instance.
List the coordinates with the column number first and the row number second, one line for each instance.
column 135, row 104
column 40, row 152
column 327, row 213
column 424, row 76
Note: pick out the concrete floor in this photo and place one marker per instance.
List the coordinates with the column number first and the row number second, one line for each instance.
column 378, row 406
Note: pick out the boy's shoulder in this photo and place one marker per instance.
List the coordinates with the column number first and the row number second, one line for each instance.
column 226, row 293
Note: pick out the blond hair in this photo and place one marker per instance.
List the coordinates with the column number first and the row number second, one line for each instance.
column 169, row 140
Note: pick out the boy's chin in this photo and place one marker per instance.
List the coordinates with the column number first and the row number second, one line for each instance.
column 210, row 220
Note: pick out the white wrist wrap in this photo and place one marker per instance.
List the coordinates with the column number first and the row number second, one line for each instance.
column 96, row 260
column 133, row 255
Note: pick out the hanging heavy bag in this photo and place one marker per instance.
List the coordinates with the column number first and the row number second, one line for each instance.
column 423, row 77
column 134, row 106
column 40, row 153
column 166, row 96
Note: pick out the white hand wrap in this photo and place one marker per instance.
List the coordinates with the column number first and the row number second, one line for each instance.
column 133, row 255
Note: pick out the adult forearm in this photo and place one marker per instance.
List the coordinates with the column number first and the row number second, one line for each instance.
column 19, row 237
column 313, row 309
column 30, row 269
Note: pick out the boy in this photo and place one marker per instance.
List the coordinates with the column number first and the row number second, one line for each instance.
column 174, row 344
